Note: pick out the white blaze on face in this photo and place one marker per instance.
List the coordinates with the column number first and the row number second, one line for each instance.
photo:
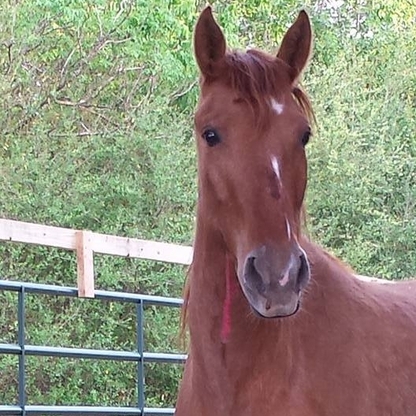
column 276, row 106
column 288, row 229
column 285, row 279
column 276, row 168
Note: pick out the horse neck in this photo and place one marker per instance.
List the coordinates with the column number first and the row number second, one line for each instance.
column 207, row 286
column 330, row 278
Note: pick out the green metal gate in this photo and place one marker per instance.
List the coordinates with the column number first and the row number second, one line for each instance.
column 139, row 356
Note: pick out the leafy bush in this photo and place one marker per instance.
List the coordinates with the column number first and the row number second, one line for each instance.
column 96, row 115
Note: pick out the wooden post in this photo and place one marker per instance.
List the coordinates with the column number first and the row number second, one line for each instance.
column 85, row 264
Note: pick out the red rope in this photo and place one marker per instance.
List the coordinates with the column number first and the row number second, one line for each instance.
column 230, row 289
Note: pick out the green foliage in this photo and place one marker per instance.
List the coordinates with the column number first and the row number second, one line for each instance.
column 363, row 164
column 96, row 116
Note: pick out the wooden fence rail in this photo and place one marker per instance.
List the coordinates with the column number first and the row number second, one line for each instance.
column 86, row 243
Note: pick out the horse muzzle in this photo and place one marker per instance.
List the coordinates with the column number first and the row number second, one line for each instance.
column 272, row 281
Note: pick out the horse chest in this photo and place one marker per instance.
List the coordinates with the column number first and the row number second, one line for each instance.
column 249, row 387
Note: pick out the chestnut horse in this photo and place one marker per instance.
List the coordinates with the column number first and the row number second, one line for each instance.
column 278, row 327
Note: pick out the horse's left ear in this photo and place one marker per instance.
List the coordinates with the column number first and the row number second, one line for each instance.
column 209, row 44
column 297, row 45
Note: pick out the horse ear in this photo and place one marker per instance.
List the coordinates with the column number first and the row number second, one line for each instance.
column 296, row 45
column 209, row 43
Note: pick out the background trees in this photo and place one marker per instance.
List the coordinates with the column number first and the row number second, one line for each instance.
column 96, row 120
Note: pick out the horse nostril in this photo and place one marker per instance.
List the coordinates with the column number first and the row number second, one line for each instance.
column 250, row 269
column 303, row 274
column 252, row 275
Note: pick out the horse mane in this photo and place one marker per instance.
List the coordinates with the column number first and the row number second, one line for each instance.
column 184, row 309
column 255, row 75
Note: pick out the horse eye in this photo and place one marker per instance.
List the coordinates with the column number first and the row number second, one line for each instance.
column 306, row 137
column 211, row 137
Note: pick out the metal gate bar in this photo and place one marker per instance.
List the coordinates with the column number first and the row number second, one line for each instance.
column 83, row 410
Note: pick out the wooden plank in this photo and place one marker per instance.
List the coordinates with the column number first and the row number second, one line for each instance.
column 24, row 232
column 135, row 248
column 374, row 279
column 45, row 235
column 85, row 264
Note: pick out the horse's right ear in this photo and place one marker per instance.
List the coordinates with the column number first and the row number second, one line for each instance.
column 209, row 44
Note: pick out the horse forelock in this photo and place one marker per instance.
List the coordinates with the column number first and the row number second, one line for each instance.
column 258, row 77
